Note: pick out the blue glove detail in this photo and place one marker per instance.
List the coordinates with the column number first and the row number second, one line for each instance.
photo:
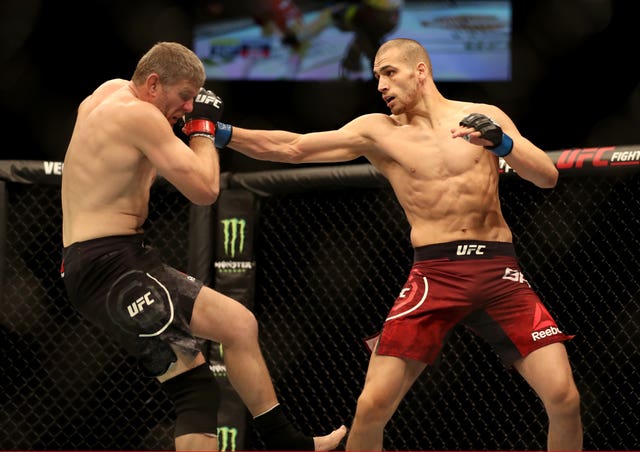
column 504, row 148
column 223, row 134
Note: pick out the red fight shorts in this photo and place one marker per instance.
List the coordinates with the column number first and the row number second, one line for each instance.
column 474, row 283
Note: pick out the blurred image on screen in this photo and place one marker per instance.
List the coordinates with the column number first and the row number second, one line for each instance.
column 306, row 40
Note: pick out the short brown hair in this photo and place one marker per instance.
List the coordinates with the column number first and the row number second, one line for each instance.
column 173, row 63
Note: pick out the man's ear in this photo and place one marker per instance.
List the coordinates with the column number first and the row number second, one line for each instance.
column 153, row 84
column 422, row 71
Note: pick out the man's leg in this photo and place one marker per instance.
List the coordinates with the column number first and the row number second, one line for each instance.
column 387, row 382
column 220, row 318
column 192, row 387
column 196, row 441
column 224, row 320
column 548, row 372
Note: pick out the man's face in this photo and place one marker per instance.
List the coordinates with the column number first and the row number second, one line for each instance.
column 177, row 99
column 396, row 80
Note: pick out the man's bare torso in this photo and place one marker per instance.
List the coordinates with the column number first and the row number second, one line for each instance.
column 106, row 180
column 447, row 187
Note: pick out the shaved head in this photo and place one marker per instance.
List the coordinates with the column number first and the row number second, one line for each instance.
column 411, row 52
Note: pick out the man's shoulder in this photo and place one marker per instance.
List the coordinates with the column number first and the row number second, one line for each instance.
column 110, row 93
column 370, row 119
column 368, row 123
column 109, row 87
column 377, row 116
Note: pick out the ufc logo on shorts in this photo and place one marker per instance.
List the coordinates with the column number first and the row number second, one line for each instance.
column 138, row 305
column 209, row 100
column 468, row 250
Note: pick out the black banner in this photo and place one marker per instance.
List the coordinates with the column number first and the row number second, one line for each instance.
column 4, row 209
column 31, row 171
column 235, row 275
column 579, row 161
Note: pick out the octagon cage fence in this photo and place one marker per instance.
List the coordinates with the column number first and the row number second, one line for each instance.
column 319, row 254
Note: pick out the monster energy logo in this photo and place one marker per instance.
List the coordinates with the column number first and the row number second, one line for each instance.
column 227, row 438
column 234, row 230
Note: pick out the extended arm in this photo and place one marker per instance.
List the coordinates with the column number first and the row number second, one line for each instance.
column 346, row 143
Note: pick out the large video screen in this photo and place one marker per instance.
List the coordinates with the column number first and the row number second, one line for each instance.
column 309, row 41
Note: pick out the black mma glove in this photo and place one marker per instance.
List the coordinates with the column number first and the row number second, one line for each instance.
column 207, row 109
column 491, row 131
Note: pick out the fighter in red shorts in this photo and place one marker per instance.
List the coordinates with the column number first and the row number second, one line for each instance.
column 474, row 283
column 465, row 268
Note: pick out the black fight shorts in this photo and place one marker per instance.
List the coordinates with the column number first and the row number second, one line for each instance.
column 122, row 286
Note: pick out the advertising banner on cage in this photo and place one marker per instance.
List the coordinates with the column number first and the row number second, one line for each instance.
column 235, row 274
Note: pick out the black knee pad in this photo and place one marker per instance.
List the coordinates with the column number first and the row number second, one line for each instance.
column 196, row 396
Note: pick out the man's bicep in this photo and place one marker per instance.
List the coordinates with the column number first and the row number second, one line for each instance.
column 166, row 152
column 332, row 146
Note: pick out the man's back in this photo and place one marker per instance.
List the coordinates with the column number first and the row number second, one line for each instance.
column 106, row 179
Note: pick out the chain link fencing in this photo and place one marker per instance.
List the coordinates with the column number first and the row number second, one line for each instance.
column 329, row 265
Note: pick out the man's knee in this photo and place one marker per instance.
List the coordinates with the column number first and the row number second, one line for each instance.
column 374, row 409
column 570, row 401
column 249, row 324
column 242, row 329
column 564, row 400
column 196, row 397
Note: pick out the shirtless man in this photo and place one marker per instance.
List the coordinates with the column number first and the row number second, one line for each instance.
column 441, row 158
column 122, row 139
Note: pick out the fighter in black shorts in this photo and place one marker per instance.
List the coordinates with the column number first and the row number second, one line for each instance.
column 123, row 286
column 123, row 139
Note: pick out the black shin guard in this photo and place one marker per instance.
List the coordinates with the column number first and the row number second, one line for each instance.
column 196, row 396
column 278, row 434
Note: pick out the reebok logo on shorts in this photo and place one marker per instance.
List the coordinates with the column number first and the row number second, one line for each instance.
column 543, row 324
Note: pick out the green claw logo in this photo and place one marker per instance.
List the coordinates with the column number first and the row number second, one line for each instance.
column 234, row 235
column 227, row 438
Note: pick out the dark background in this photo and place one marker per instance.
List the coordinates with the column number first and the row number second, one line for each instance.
column 575, row 81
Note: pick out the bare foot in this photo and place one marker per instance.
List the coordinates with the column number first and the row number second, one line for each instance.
column 330, row 441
